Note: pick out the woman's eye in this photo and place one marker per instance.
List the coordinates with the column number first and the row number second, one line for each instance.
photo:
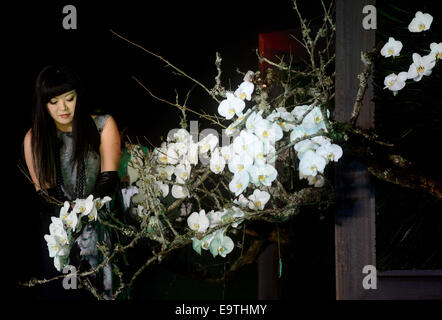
column 53, row 102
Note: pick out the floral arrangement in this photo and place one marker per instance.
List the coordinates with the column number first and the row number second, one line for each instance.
column 249, row 158
column 65, row 229
column 422, row 65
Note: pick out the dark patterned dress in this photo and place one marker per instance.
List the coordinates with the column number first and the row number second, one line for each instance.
column 74, row 183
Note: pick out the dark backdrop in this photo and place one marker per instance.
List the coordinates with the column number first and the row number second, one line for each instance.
column 187, row 33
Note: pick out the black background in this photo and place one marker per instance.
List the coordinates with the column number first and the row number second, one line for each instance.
column 187, row 33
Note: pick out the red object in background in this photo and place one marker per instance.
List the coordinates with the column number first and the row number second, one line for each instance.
column 277, row 44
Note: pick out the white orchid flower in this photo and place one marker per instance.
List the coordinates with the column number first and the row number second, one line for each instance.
column 84, row 206
column 285, row 126
column 198, row 221
column 215, row 217
column 230, row 215
column 100, row 202
column 227, row 152
column 64, row 211
column 232, row 129
column 72, row 221
column 259, row 151
column 93, row 214
column 57, row 264
column 241, row 201
column 244, row 142
column 192, row 153
column 207, row 240
column 182, row 135
column 267, row 158
column 298, row 111
column 204, row 243
column 311, row 163
column 264, row 154
column 236, row 213
column 330, row 152
column 421, row 22
column 253, row 118
column 285, row 115
column 56, row 229
column 436, row 50
column 196, row 245
column 392, row 48
column 55, row 247
column 273, row 116
column 297, row 133
column 182, row 173
column 208, row 143
column 239, row 182
column 231, row 106
column 160, row 154
column 221, row 245
column 282, row 117
column 268, row 131
column 258, row 199
column 303, row 146
column 217, row 162
column 263, row 175
column 181, row 148
column 242, row 116
column 240, row 162
column 244, row 91
column 321, row 140
column 314, row 121
column 172, row 155
column 395, row 82
column 179, row 192
column 421, row 66
column 162, row 187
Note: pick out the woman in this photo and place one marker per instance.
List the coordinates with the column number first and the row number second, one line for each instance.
column 70, row 154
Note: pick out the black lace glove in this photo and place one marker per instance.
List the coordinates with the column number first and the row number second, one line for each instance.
column 107, row 184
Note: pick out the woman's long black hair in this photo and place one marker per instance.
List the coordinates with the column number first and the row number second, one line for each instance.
column 53, row 81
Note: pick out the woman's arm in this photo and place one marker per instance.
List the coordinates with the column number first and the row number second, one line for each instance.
column 27, row 145
column 108, row 180
column 110, row 146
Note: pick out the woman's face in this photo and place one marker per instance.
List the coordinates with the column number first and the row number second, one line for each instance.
column 62, row 109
